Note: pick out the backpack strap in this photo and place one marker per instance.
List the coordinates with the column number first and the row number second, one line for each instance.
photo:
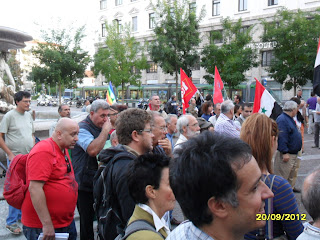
column 108, row 196
column 140, row 225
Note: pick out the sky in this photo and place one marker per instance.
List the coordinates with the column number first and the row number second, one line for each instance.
column 24, row 14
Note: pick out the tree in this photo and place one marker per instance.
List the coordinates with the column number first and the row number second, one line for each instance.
column 62, row 61
column 176, row 37
column 121, row 58
column 296, row 35
column 232, row 57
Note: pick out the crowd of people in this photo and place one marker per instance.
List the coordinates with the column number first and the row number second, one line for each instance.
column 232, row 171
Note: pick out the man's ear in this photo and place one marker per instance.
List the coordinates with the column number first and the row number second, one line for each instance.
column 134, row 136
column 218, row 208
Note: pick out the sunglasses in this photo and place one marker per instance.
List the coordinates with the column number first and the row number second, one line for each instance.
column 68, row 163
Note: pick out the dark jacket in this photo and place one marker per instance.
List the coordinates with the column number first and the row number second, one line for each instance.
column 289, row 140
column 85, row 166
column 123, row 202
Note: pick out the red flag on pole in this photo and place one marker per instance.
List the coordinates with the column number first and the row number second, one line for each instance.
column 218, row 86
column 316, row 73
column 188, row 89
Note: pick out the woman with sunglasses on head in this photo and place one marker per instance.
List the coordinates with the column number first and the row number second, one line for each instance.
column 261, row 133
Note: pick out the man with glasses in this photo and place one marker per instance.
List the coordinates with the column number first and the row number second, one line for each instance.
column 135, row 137
column 93, row 134
column 188, row 127
column 51, row 198
column 17, row 128
column 161, row 144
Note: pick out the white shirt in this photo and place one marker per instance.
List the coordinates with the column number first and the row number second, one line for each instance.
column 158, row 223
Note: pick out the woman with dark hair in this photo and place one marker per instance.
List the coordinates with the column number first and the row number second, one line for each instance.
column 237, row 110
column 261, row 133
column 207, row 109
column 148, row 183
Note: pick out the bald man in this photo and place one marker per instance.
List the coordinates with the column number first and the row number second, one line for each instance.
column 51, row 199
column 310, row 199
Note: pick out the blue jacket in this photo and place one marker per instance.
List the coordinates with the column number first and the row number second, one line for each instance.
column 289, row 140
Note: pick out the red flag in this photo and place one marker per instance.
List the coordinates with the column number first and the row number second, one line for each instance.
column 188, row 89
column 218, row 86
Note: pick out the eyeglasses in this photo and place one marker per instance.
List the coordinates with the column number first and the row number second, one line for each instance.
column 68, row 163
column 163, row 129
column 146, row 130
column 194, row 125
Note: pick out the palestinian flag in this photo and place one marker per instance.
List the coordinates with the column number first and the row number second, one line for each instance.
column 316, row 74
column 263, row 101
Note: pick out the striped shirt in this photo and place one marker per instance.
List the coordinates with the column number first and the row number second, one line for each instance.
column 188, row 231
column 226, row 127
column 284, row 202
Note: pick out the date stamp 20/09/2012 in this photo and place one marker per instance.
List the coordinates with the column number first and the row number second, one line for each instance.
column 281, row 217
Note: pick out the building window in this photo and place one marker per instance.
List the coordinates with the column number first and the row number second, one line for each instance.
column 151, row 21
column 118, row 2
column 242, row 5
column 103, row 30
column 267, row 58
column 103, row 4
column 135, row 70
column 119, row 25
column 215, row 7
column 244, row 29
column 153, row 68
column 135, row 24
column 272, row 2
column 192, row 7
column 216, row 37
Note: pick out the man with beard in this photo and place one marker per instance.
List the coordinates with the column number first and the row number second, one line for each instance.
column 135, row 137
column 188, row 127
column 225, row 125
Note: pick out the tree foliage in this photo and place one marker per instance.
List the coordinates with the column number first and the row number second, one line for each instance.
column 62, row 61
column 296, row 35
column 176, row 37
column 232, row 58
column 121, row 58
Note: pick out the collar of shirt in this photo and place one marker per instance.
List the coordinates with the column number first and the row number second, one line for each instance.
column 224, row 117
column 131, row 150
column 158, row 223
column 312, row 229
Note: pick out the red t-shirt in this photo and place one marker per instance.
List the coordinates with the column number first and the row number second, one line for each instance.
column 60, row 188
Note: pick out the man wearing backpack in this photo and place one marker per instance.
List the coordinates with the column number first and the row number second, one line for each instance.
column 17, row 127
column 135, row 138
column 93, row 134
column 51, row 198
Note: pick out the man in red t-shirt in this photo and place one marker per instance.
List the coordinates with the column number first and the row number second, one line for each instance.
column 51, row 199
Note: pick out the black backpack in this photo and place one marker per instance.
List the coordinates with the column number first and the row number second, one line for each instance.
column 104, row 198
column 135, row 226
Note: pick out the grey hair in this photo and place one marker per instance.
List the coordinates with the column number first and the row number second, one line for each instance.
column 217, row 104
column 60, row 107
column 168, row 119
column 226, row 106
column 289, row 106
column 182, row 122
column 153, row 95
column 113, row 135
column 154, row 115
column 311, row 197
column 97, row 104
